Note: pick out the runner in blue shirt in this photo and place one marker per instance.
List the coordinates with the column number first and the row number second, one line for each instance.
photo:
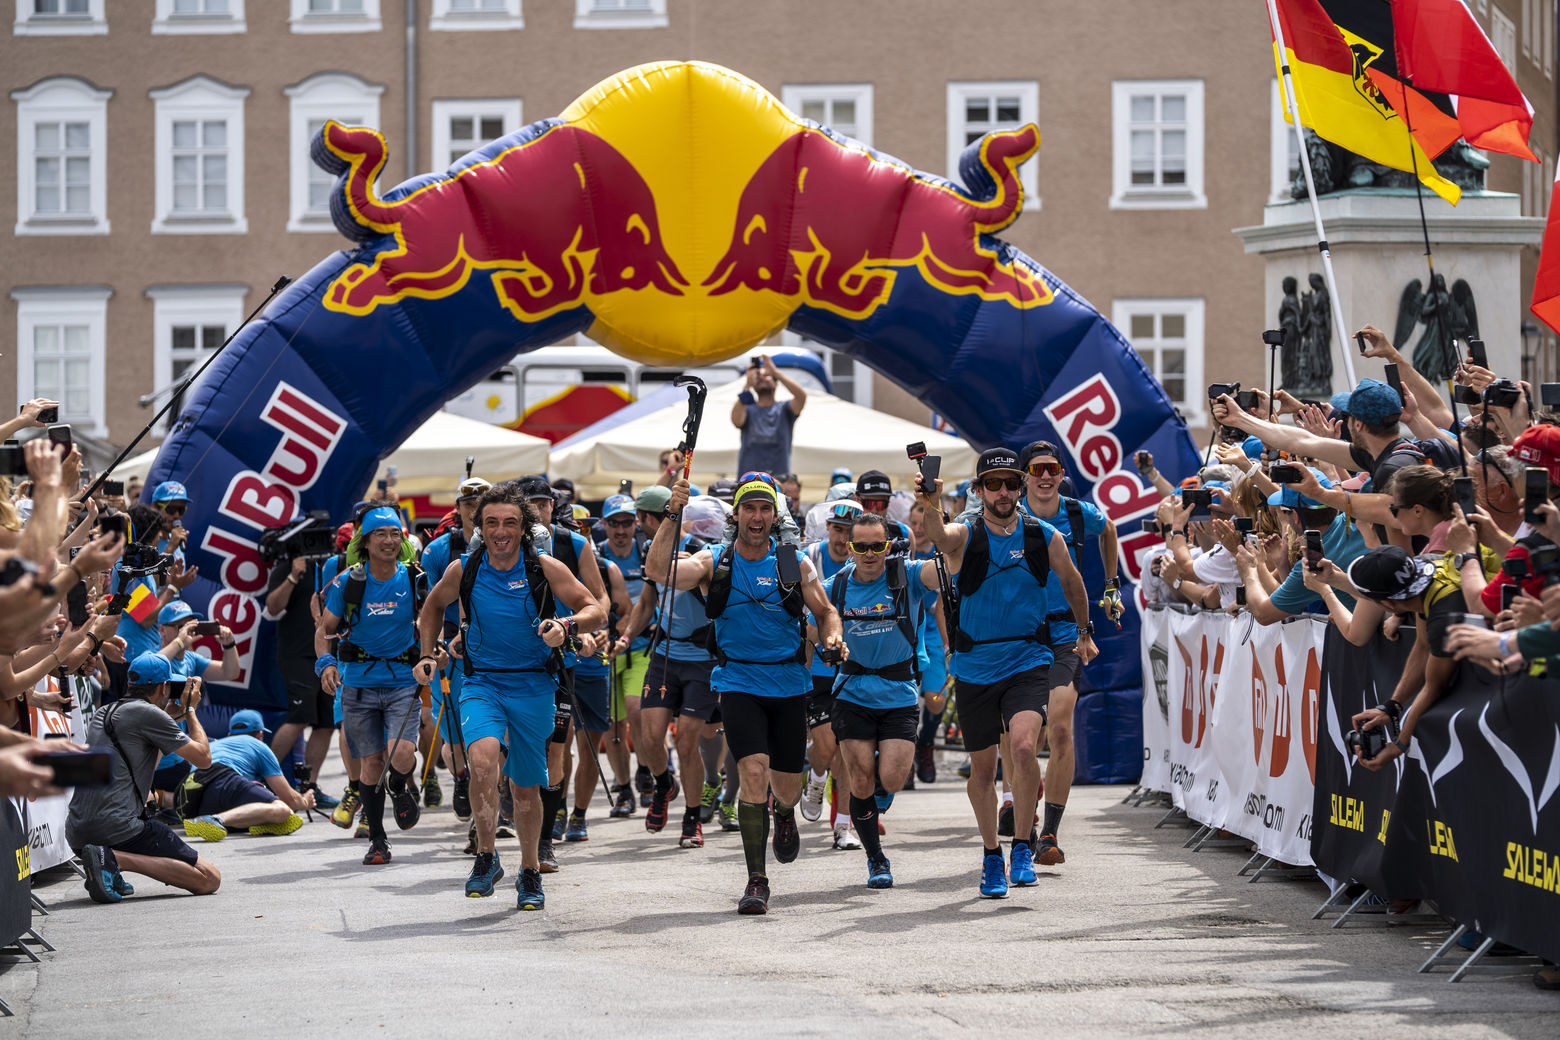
column 934, row 664
column 828, row 557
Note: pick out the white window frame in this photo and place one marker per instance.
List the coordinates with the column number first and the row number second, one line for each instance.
column 794, row 95
column 1126, row 195
column 1194, row 310
column 189, row 305
column 1529, row 9
column 1503, row 35
column 171, row 23
column 60, row 99
column 93, row 23
column 588, row 14
column 1283, row 137
column 302, row 20
column 1028, row 92
column 201, row 98
column 1546, row 37
column 328, row 95
column 444, row 19
column 78, row 305
column 507, row 109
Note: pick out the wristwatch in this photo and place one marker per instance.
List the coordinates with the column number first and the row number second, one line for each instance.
column 1463, row 558
column 1086, row 628
column 1402, row 744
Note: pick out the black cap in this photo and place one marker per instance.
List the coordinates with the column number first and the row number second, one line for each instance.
column 724, row 489
column 993, row 460
column 1390, row 573
column 1034, row 448
column 874, row 483
column 535, row 487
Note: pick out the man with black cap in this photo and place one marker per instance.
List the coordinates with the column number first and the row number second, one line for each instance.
column 873, row 491
column 757, row 592
column 1002, row 646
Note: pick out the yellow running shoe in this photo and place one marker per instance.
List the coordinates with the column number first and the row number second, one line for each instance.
column 207, row 827
column 287, row 826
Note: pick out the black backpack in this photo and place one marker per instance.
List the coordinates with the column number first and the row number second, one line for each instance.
column 909, row 628
column 352, row 594
column 972, row 574
column 541, row 598
column 720, row 593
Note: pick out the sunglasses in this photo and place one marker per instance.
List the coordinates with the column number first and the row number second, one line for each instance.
column 843, row 514
column 998, row 483
column 620, row 522
column 174, row 510
column 1045, row 469
column 1395, row 509
column 864, row 548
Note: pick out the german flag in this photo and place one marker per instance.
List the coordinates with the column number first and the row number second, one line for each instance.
column 1346, row 88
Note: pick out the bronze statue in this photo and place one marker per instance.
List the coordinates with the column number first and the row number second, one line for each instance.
column 1289, row 320
column 1306, row 355
column 1336, row 169
column 1447, row 317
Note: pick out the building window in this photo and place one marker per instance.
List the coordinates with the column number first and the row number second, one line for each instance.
column 334, row 16
column 620, row 14
column 1546, row 37
column 1503, row 34
column 844, row 107
column 1157, row 137
column 60, row 336
column 198, row 17
column 199, row 148
column 458, row 15
column 329, row 95
column 60, row 18
column 188, row 323
column 1529, row 28
column 976, row 109
column 1168, row 336
column 1284, row 150
column 460, row 127
column 61, row 152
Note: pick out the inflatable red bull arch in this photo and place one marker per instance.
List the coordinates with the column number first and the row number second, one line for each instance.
column 679, row 214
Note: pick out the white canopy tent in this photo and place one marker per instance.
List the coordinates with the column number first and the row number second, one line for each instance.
column 829, row 433
column 433, row 459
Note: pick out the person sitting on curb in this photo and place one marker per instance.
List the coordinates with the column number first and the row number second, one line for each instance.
column 243, row 787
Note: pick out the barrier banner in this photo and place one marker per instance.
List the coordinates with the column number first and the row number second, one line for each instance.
column 1469, row 819
column 44, row 818
column 15, row 875
column 1197, row 649
column 1156, row 703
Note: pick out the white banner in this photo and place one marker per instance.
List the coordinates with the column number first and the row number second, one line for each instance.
column 1156, row 700
column 44, row 818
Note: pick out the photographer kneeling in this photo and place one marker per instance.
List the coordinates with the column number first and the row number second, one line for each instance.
column 109, row 826
column 243, row 786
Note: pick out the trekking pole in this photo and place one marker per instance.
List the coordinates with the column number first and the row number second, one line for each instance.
column 566, row 682
column 697, row 391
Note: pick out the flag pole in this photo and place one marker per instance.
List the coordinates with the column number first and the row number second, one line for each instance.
column 1310, row 187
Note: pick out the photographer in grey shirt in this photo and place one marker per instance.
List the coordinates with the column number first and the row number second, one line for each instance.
column 766, row 423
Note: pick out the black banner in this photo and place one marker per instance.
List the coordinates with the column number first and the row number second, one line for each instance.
column 15, row 875
column 1469, row 819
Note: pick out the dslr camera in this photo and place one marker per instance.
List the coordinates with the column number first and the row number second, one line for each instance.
column 312, row 538
column 1369, row 743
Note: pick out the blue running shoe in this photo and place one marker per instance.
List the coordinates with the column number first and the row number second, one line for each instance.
column 884, row 800
column 485, row 873
column 528, row 887
column 877, row 873
column 1022, row 866
column 560, row 823
column 100, row 875
column 576, row 830
column 993, row 878
column 324, row 802
column 122, row 886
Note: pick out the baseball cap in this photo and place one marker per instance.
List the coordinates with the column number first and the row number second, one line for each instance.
column 1253, row 447
column 471, row 487
column 841, row 474
column 343, row 536
column 1339, row 404
column 170, row 491
column 579, row 512
column 724, row 489
column 1391, row 573
column 1375, row 402
column 874, row 483
column 1034, row 448
column 246, row 721
column 1540, row 446
column 996, row 460
column 756, row 489
column 959, row 490
column 842, row 511
column 176, row 613
column 1289, row 498
column 535, row 487
column 654, row 499
column 150, row 668
column 616, row 505
column 379, row 518
column 564, row 488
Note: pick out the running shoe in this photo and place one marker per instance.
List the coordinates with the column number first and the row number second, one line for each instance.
column 560, row 823
column 100, row 876
column 505, row 829
column 787, row 841
column 692, row 834
column 755, row 898
column 576, row 830
column 485, row 873
column 461, row 801
column 812, row 798
column 964, row 769
column 433, row 793
column 728, row 816
column 546, row 857
column 884, row 800
column 169, row 816
column 878, row 875
column 844, row 837
column 351, row 802
column 1047, row 852
column 122, row 886
column 208, row 827
column 926, row 764
column 1022, row 865
column 378, row 852
column 708, row 802
column 655, row 818
column 407, row 811
column 644, row 783
column 622, row 801
column 1005, row 820
column 528, row 890
column 362, row 827
column 287, row 826
column 993, row 878
column 324, row 802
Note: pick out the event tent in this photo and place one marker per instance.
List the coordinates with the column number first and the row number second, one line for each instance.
column 830, row 432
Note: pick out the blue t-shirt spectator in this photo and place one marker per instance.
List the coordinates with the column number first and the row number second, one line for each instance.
column 246, row 756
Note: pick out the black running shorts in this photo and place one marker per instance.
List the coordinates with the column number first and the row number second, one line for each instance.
column 986, row 711
column 688, row 689
column 773, row 726
column 307, row 703
column 853, row 721
column 820, row 703
column 1066, row 666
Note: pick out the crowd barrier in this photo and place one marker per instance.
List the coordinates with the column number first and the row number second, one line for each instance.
column 1244, row 727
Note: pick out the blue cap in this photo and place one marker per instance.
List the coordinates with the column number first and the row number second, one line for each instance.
column 1253, row 447
column 170, row 491
column 1375, row 402
column 176, row 613
column 841, row 474
column 1289, row 498
column 616, row 505
column 246, row 721
column 150, row 668
column 1340, row 402
column 378, row 518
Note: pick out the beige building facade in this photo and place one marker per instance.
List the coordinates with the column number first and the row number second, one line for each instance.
column 161, row 179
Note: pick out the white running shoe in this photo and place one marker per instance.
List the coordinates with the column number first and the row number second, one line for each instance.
column 812, row 798
column 844, row 837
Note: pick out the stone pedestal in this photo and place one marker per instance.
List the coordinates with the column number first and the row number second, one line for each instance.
column 1378, row 248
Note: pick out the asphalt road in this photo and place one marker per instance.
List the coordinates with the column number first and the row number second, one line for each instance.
column 1133, row 936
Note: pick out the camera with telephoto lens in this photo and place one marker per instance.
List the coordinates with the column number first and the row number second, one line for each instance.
column 143, row 559
column 311, row 538
column 1502, row 393
column 1369, row 743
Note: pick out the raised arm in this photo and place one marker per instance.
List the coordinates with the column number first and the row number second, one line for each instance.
column 1286, row 438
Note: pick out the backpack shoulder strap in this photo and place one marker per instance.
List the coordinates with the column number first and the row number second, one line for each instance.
column 563, row 549
column 357, row 581
column 720, row 582
column 837, row 592
column 468, row 578
column 541, row 589
column 1037, row 550
column 1075, row 527
column 977, row 558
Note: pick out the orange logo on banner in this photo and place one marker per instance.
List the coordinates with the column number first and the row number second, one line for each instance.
column 1259, row 697
column 1311, row 695
column 1188, row 692
column 1281, row 725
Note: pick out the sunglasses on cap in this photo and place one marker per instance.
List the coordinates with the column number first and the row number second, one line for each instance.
column 998, row 483
column 842, row 513
column 866, row 548
column 1045, row 469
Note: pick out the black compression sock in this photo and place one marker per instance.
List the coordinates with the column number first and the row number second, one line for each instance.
column 663, row 782
column 864, row 814
column 374, row 809
column 753, row 819
column 352, row 785
column 552, row 799
column 1053, row 818
column 398, row 781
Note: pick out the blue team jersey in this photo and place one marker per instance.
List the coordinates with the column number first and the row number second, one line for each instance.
column 1009, row 605
column 501, row 632
column 756, row 627
column 931, row 635
column 138, row 640
column 1065, row 633
column 385, row 627
column 824, row 564
column 633, row 567
column 687, row 617
column 435, row 561
column 247, row 756
column 874, row 639
column 189, row 665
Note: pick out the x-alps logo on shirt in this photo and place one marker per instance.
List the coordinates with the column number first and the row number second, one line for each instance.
column 518, row 583
column 766, row 582
column 1015, row 554
column 381, row 609
column 875, row 610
